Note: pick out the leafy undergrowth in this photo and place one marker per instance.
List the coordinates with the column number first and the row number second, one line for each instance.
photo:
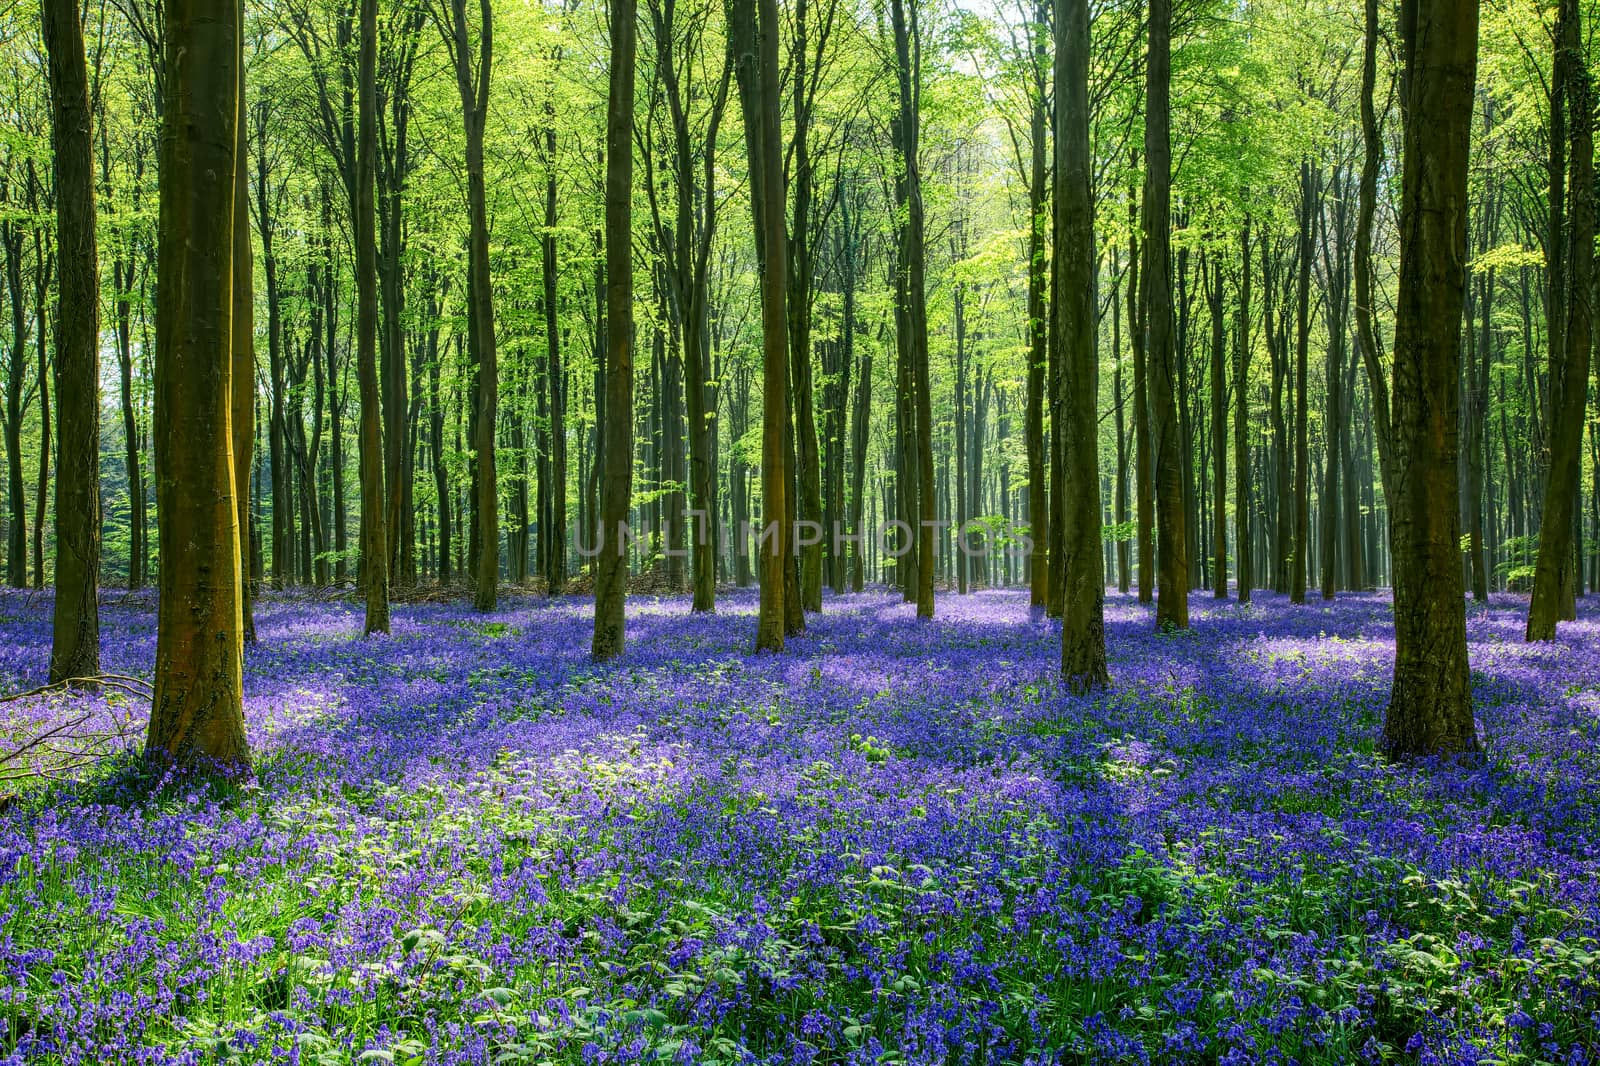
column 899, row 842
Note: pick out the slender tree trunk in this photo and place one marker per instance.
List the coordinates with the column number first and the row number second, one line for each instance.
column 124, row 269
column 908, row 69
column 441, row 474
column 754, row 32
column 1302, row 435
column 1477, row 416
column 16, row 379
column 1219, row 439
column 1430, row 707
column 75, row 631
column 1038, row 335
column 1244, row 561
column 243, row 382
column 800, row 278
column 1172, row 607
column 616, row 482
column 860, row 425
column 1083, row 644
column 1144, row 494
column 1120, row 430
column 1367, row 201
column 1556, row 573
column 480, row 295
column 374, row 534
column 44, row 267
column 1336, row 290
column 555, row 556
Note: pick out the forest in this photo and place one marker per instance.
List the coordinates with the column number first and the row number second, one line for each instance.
column 1037, row 532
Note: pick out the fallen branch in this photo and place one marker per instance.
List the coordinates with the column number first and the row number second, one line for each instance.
column 132, row 685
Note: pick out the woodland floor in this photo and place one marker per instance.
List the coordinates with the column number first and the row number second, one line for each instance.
column 898, row 842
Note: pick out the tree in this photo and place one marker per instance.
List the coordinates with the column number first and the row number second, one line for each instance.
column 473, row 86
column 913, row 313
column 243, row 346
column 1430, row 705
column 1244, row 568
column 685, row 244
column 1038, row 334
column 616, row 483
column 1172, row 578
column 75, row 640
column 374, row 532
column 1076, row 425
column 1554, row 574
column 1366, row 210
column 755, row 50
column 197, row 714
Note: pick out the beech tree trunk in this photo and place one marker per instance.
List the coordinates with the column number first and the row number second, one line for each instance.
column 754, row 32
column 75, row 631
column 1556, row 572
column 554, row 556
column 1430, row 706
column 1366, row 208
column 1038, row 562
column 197, row 715
column 616, row 428
column 374, row 534
column 480, row 292
column 1172, row 605
column 1300, row 555
column 1219, row 436
column 919, row 443
column 244, row 362
column 1082, row 564
column 1244, row 557
column 800, row 277
column 16, row 382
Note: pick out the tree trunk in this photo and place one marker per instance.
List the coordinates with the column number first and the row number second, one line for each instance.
column 1556, row 574
column 1336, row 291
column 616, row 428
column 1033, row 418
column 1143, row 494
column 908, row 69
column 1430, row 707
column 16, row 379
column 374, row 534
column 1083, row 644
column 860, row 418
column 1367, row 202
column 1244, row 568
column 1219, row 439
column 554, row 556
column 1172, row 606
column 197, row 715
column 755, row 48
column 75, row 631
column 480, row 294
column 243, row 344
column 800, row 278
column 1300, row 554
